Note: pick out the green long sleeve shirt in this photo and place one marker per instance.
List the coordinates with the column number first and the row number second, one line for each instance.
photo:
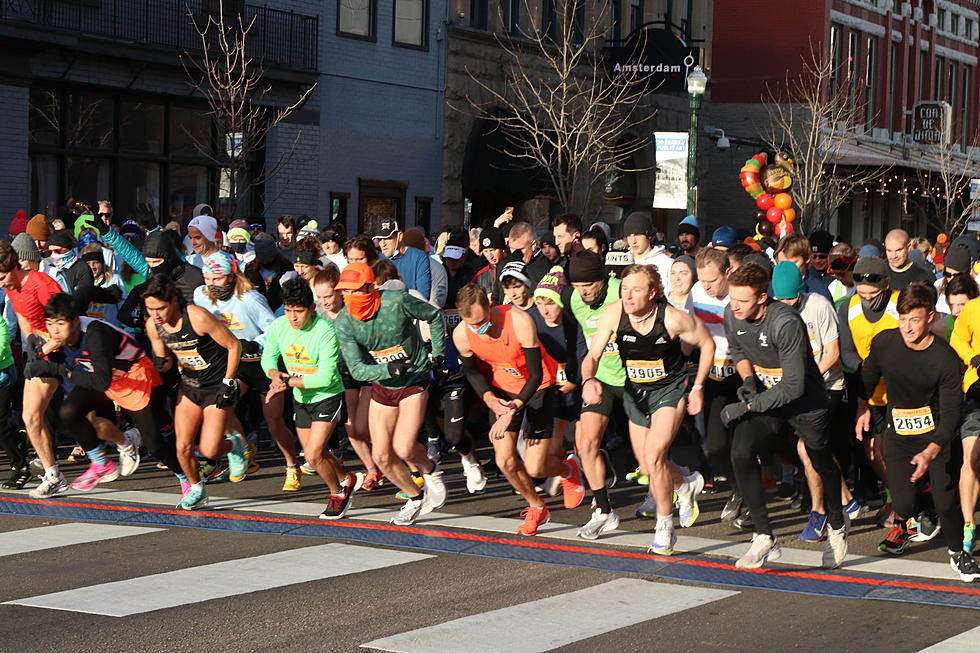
column 311, row 354
column 391, row 335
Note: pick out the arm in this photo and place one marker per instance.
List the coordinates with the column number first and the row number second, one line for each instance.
column 354, row 356
column 205, row 324
column 527, row 335
column 423, row 274
column 692, row 331
column 100, row 340
column 128, row 252
column 440, row 282
column 950, row 401
column 962, row 334
column 829, row 337
column 162, row 360
column 849, row 356
column 831, row 356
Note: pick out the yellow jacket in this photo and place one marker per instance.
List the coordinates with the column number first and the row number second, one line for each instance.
column 965, row 339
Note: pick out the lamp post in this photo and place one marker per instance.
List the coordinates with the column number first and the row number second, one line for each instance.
column 696, row 83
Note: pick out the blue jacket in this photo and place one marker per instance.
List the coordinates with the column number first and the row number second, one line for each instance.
column 413, row 265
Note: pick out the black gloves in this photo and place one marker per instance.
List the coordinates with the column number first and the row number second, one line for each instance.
column 975, row 362
column 42, row 367
column 398, row 369
column 228, row 395
column 160, row 363
column 733, row 412
column 250, row 349
column 100, row 226
column 748, row 390
column 33, row 343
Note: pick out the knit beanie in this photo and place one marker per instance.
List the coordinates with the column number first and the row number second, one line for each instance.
column 19, row 224
column 239, row 232
column 551, row 285
column 25, row 247
column 787, row 282
column 38, row 227
column 265, row 247
column 585, row 267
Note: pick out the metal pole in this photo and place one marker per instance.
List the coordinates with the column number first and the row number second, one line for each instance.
column 694, row 102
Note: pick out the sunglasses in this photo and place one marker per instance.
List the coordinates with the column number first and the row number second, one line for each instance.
column 105, row 215
column 868, row 277
column 820, row 256
column 257, row 227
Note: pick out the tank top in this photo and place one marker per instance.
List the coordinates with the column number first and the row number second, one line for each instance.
column 653, row 360
column 610, row 369
column 202, row 361
column 505, row 356
column 863, row 332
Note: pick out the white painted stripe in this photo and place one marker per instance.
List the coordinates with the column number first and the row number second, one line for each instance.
column 556, row 621
column 685, row 543
column 222, row 579
column 963, row 643
column 59, row 535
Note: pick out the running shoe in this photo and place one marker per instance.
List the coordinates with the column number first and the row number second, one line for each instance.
column 19, row 476
column 732, row 509
column 551, row 486
column 185, row 487
column 50, row 487
column 129, row 453
column 886, row 516
column 687, row 499
column 435, row 490
column 895, row 542
column 964, row 565
column 251, row 451
column 835, row 548
column 339, row 504
column 292, row 482
column 433, row 450
column 764, row 548
column 77, row 455
column 572, row 490
column 744, row 521
column 194, row 499
column 533, row 518
column 610, row 469
column 854, row 509
column 786, row 491
column 373, row 480
column 928, row 529
column 635, row 474
column 237, row 460
column 664, row 537
column 912, row 528
column 969, row 535
column 648, row 508
column 599, row 523
column 643, row 479
column 476, row 480
column 816, row 528
column 307, row 469
column 35, row 466
column 409, row 513
column 95, row 474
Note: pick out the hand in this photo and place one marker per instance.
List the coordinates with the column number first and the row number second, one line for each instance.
column 499, row 407
column 398, row 369
column 922, row 460
column 499, row 428
column 695, row 401
column 42, row 367
column 733, row 412
column 228, row 395
column 34, row 342
column 863, row 423
column 278, row 385
column 439, row 370
column 975, row 362
column 161, row 363
column 504, row 217
column 50, row 347
column 101, row 225
column 249, row 348
column 748, row 390
column 592, row 391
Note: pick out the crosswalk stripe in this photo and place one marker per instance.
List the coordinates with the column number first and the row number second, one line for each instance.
column 59, row 535
column 963, row 643
column 222, row 579
column 556, row 621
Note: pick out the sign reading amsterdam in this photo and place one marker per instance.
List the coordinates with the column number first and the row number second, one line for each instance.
column 932, row 123
column 657, row 57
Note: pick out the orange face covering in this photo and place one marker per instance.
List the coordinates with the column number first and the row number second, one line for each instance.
column 363, row 307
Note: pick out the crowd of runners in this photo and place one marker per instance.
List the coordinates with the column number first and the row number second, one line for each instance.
column 841, row 378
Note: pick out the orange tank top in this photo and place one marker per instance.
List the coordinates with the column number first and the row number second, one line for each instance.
column 506, row 359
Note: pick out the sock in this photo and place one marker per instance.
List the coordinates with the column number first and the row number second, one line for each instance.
column 291, row 466
column 52, row 472
column 602, row 501
column 97, row 455
column 181, row 478
column 198, row 486
column 665, row 518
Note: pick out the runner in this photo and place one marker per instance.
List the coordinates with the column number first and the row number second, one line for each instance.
column 640, row 235
column 493, row 249
column 902, row 270
column 308, row 347
column 517, row 285
column 922, row 376
column 10, row 440
column 768, row 343
column 649, row 333
column 965, row 340
column 522, row 383
column 380, row 327
column 207, row 355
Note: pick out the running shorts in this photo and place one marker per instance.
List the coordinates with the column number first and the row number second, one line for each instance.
column 330, row 409
column 641, row 404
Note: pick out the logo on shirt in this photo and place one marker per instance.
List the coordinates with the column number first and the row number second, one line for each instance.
column 629, row 338
column 763, row 340
column 231, row 321
column 661, row 341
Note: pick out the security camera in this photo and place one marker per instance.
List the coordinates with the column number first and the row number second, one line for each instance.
column 723, row 143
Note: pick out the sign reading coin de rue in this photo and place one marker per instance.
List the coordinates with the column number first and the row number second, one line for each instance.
column 932, row 123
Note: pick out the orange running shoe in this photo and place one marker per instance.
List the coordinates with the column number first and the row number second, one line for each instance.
column 372, row 480
column 572, row 490
column 533, row 517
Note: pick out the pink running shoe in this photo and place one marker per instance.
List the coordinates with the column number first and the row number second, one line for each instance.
column 96, row 474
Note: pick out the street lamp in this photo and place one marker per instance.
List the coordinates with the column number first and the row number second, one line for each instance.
column 697, row 81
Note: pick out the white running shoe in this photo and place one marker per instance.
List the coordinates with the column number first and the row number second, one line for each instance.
column 764, row 548
column 129, row 453
column 687, row 499
column 408, row 514
column 835, row 548
column 648, row 508
column 50, row 487
column 551, row 486
column 476, row 480
column 664, row 537
column 599, row 523
column 434, row 491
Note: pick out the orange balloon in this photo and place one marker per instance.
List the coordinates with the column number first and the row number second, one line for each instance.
column 783, row 200
column 942, row 238
column 789, row 214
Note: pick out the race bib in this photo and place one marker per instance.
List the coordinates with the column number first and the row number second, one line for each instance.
column 645, row 371
column 913, row 421
column 452, row 318
column 769, row 376
column 561, row 378
column 189, row 359
column 395, row 353
column 509, row 370
column 612, row 349
column 722, row 369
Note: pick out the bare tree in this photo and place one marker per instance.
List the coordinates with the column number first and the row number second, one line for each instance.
column 817, row 122
column 944, row 172
column 239, row 98
column 564, row 111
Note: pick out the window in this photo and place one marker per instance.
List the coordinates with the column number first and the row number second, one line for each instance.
column 355, row 18
column 379, row 200
column 852, row 74
column 141, row 127
column 578, row 22
column 478, row 14
column 338, row 208
column 923, row 77
column 423, row 214
column 892, row 88
column 510, row 16
column 139, row 187
column 870, row 75
column 615, row 20
column 938, row 79
column 834, row 58
column 636, row 14
column 941, row 19
column 954, row 24
column 410, row 23
column 965, row 114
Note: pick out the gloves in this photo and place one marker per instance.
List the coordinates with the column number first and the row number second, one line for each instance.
column 439, row 370
column 228, row 395
column 160, row 363
column 436, row 362
column 748, row 390
column 975, row 362
column 250, row 348
column 42, row 367
column 398, row 369
column 100, row 226
column 34, row 343
column 733, row 412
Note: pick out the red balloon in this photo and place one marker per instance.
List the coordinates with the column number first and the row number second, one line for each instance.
column 787, row 229
column 774, row 215
column 764, row 201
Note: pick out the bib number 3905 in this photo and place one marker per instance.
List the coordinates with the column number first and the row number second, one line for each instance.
column 645, row 371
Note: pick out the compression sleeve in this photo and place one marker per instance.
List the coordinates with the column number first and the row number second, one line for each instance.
column 532, row 357
column 474, row 375
column 128, row 252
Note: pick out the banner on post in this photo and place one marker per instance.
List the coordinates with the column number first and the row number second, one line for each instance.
column 671, row 187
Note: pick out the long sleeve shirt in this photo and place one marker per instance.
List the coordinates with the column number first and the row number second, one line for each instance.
column 413, row 266
column 247, row 317
column 965, row 339
column 311, row 354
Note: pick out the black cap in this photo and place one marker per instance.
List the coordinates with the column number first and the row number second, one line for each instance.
column 821, row 242
column 61, row 239
column 686, row 228
column 492, row 238
column 638, row 222
column 958, row 258
column 386, row 229
column 546, row 237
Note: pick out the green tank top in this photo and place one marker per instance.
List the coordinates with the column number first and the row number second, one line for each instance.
column 950, row 323
column 610, row 370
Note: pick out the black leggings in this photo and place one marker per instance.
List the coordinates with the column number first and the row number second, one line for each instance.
column 943, row 477
column 717, row 394
column 10, row 439
column 81, row 401
column 760, row 435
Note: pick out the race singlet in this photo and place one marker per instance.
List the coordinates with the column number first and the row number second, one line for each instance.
column 189, row 359
column 639, row 371
column 382, row 356
column 721, row 369
column 769, row 376
column 913, row 421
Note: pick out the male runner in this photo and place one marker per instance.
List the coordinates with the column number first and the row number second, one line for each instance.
column 208, row 356
column 768, row 342
column 965, row 339
column 523, row 376
column 381, row 343
column 649, row 333
column 922, row 375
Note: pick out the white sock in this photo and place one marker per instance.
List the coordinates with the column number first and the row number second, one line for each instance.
column 52, row 472
column 198, row 486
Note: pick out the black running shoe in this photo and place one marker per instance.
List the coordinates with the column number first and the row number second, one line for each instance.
column 964, row 565
column 732, row 509
column 19, row 476
column 339, row 504
column 744, row 521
